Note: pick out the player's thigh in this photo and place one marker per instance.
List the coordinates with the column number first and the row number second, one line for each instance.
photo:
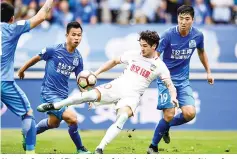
column 69, row 117
column 164, row 98
column 185, row 96
column 109, row 93
column 57, row 113
column 14, row 98
column 128, row 104
column 53, row 121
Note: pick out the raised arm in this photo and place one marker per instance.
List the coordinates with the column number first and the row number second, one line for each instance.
column 42, row 14
column 108, row 65
column 28, row 64
column 203, row 58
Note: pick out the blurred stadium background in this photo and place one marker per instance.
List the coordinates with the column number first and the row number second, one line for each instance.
column 110, row 28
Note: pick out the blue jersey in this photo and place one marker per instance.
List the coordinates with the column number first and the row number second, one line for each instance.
column 176, row 51
column 10, row 36
column 59, row 65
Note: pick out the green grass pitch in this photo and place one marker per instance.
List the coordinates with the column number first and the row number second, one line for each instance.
column 128, row 142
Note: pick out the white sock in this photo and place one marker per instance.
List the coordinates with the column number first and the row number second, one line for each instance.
column 89, row 96
column 113, row 130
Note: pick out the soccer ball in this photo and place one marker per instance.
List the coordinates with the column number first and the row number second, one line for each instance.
column 86, row 79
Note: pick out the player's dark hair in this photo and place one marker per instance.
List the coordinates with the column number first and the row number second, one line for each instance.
column 7, row 11
column 186, row 9
column 151, row 37
column 73, row 24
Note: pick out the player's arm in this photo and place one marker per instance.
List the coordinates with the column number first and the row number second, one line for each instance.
column 28, row 64
column 165, row 77
column 172, row 90
column 108, row 65
column 203, row 58
column 42, row 14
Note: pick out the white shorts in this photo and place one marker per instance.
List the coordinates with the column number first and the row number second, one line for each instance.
column 111, row 93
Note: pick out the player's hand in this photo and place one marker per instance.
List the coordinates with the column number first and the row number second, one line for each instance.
column 21, row 74
column 96, row 74
column 210, row 79
column 91, row 105
column 175, row 102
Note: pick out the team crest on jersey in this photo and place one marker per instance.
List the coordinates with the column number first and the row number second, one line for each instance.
column 192, row 44
column 153, row 67
column 75, row 61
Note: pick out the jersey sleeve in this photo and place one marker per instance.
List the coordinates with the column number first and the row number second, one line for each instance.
column 21, row 27
column 80, row 67
column 163, row 71
column 164, row 41
column 46, row 53
column 200, row 44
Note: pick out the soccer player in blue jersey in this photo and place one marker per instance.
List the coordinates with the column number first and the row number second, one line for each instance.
column 61, row 61
column 11, row 94
column 176, row 47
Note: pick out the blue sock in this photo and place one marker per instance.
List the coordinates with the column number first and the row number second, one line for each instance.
column 73, row 132
column 42, row 126
column 161, row 128
column 178, row 120
column 29, row 131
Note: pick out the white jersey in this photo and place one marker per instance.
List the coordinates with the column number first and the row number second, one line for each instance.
column 140, row 72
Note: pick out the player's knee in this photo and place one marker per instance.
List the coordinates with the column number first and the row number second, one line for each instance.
column 168, row 117
column 27, row 116
column 30, row 112
column 127, row 110
column 53, row 125
column 121, row 120
column 169, row 114
column 189, row 115
column 73, row 121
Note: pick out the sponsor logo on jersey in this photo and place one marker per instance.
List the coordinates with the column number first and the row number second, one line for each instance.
column 75, row 61
column 192, row 44
column 153, row 67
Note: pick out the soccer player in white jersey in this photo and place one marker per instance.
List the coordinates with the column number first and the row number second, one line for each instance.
column 142, row 68
column 11, row 94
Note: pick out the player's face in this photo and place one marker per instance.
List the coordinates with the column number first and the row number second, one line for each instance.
column 74, row 37
column 146, row 49
column 185, row 22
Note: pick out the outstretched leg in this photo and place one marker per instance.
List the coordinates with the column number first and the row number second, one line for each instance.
column 122, row 116
column 90, row 96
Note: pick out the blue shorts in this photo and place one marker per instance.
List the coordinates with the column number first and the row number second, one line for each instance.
column 184, row 96
column 14, row 98
column 57, row 113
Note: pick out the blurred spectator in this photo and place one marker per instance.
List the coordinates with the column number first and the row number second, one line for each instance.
column 20, row 9
column 31, row 10
column 86, row 12
column 172, row 6
column 145, row 11
column 64, row 16
column 114, row 8
column 72, row 5
column 126, row 12
column 161, row 15
column 235, row 12
column 221, row 11
column 98, row 4
column 139, row 16
column 202, row 12
column 149, row 7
